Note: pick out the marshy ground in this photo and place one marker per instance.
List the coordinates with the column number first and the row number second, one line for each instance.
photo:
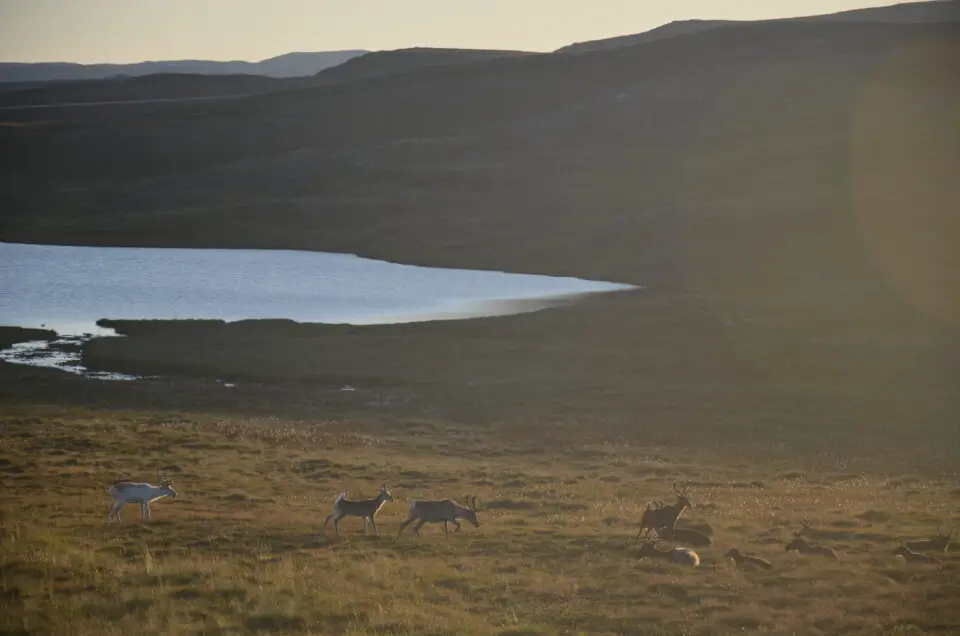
column 240, row 549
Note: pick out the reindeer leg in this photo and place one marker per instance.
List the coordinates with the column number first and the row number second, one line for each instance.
column 402, row 526
column 325, row 522
column 456, row 525
column 336, row 525
column 146, row 506
column 375, row 528
column 417, row 526
column 364, row 526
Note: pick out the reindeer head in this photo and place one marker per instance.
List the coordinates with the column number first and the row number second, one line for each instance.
column 166, row 484
column 732, row 553
column 469, row 512
column 682, row 499
column 805, row 529
column 385, row 494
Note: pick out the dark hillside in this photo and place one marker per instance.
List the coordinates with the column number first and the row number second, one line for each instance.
column 148, row 87
column 380, row 63
column 785, row 193
column 934, row 12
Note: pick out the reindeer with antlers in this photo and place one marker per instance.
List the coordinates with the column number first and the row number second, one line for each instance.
column 801, row 545
column 915, row 557
column 366, row 508
column 940, row 543
column 662, row 515
column 446, row 510
column 124, row 492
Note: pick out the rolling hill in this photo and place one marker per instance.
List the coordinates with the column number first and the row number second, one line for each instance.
column 288, row 65
column 934, row 12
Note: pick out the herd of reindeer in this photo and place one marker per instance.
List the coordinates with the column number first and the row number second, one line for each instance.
column 659, row 518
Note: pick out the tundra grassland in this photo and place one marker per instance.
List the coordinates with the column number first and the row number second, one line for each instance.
column 240, row 549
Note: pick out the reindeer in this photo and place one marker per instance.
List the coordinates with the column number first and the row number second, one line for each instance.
column 125, row 492
column 745, row 559
column 941, row 543
column 801, row 545
column 678, row 555
column 663, row 515
column 366, row 508
column 685, row 535
column 915, row 557
column 446, row 510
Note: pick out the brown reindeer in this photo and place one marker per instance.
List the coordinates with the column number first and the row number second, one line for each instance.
column 663, row 515
column 915, row 557
column 745, row 559
column 801, row 545
column 686, row 536
column 366, row 508
column 940, row 543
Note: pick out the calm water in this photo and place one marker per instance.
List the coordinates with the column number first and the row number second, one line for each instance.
column 68, row 289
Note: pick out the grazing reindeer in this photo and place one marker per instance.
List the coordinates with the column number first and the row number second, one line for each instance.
column 801, row 545
column 446, row 510
column 679, row 555
column 685, row 535
column 745, row 559
column 366, row 508
column 915, row 557
column 662, row 515
column 125, row 492
column 941, row 543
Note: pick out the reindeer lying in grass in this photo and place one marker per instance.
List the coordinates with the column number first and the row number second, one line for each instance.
column 801, row 545
column 746, row 559
column 366, row 508
column 685, row 535
column 434, row 511
column 662, row 515
column 124, row 492
column 915, row 557
column 678, row 555
column 940, row 543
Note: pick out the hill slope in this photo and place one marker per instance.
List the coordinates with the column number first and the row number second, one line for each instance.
column 288, row 65
column 380, row 63
column 931, row 12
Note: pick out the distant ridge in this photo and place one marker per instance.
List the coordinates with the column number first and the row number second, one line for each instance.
column 288, row 65
column 381, row 63
column 935, row 11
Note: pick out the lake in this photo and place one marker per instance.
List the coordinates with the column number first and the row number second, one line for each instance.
column 67, row 288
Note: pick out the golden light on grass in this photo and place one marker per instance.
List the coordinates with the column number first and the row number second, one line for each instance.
column 211, row 560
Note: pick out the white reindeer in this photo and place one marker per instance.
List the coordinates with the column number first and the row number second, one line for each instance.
column 436, row 510
column 366, row 508
column 679, row 554
column 125, row 492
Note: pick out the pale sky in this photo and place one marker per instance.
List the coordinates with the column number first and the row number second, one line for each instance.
column 136, row 30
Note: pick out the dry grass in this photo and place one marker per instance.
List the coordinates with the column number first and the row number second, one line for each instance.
column 239, row 550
